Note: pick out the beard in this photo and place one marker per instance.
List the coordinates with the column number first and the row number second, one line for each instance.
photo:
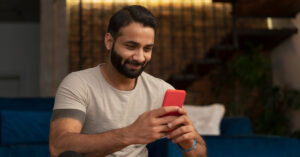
column 116, row 61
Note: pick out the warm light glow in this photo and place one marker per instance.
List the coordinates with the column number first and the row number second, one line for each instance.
column 269, row 23
column 145, row 2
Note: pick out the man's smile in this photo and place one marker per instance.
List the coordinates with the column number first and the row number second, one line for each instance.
column 133, row 66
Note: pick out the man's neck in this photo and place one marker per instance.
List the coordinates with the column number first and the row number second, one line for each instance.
column 115, row 79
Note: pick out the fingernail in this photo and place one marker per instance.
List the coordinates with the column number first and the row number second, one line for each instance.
column 169, row 125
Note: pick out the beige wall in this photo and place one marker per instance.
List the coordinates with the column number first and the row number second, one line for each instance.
column 286, row 67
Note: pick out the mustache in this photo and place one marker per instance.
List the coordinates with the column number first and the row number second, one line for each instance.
column 133, row 62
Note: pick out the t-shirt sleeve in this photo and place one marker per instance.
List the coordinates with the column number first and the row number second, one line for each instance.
column 72, row 94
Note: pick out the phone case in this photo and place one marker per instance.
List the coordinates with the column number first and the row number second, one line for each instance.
column 174, row 98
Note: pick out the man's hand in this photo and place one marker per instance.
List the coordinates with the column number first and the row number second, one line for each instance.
column 150, row 126
column 184, row 133
column 153, row 125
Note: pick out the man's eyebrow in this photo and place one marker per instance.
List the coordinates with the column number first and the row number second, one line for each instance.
column 132, row 42
column 150, row 45
column 136, row 43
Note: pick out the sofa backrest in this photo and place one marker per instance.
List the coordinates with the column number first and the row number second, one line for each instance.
column 236, row 126
column 32, row 104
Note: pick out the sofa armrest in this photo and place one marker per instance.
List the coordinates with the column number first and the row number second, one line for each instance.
column 249, row 146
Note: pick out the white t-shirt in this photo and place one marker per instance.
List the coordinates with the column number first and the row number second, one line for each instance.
column 106, row 108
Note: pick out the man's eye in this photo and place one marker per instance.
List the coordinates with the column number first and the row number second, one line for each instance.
column 147, row 49
column 131, row 46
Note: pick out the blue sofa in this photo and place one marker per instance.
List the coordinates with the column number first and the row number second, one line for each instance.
column 24, row 129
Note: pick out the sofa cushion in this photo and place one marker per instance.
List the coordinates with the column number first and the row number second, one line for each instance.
column 236, row 126
column 158, row 148
column 4, row 151
column 234, row 146
column 163, row 148
column 29, row 151
column 206, row 119
column 24, row 126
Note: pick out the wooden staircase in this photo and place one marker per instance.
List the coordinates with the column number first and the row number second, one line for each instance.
column 237, row 39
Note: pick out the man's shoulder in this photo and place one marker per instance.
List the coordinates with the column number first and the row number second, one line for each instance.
column 155, row 81
column 85, row 73
column 80, row 77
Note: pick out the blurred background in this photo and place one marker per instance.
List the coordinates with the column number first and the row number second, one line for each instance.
column 243, row 54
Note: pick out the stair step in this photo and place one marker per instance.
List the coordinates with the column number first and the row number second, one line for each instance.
column 221, row 52
column 223, row 48
column 267, row 37
column 207, row 61
column 182, row 81
column 186, row 77
column 267, row 32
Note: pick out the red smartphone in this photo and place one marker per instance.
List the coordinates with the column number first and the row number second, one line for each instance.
column 174, row 97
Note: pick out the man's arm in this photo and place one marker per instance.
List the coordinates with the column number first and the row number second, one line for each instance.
column 65, row 134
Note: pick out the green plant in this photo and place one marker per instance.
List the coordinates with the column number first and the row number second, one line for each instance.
column 255, row 96
column 250, row 68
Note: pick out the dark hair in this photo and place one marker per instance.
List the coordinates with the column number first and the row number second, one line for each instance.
column 129, row 14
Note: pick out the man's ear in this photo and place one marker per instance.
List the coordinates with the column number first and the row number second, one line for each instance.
column 108, row 40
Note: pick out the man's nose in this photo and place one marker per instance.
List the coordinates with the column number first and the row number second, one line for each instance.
column 139, row 56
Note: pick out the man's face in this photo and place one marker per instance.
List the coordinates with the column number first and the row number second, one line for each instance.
column 131, row 51
column 117, row 62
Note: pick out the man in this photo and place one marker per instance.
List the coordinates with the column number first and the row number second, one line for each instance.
column 114, row 109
